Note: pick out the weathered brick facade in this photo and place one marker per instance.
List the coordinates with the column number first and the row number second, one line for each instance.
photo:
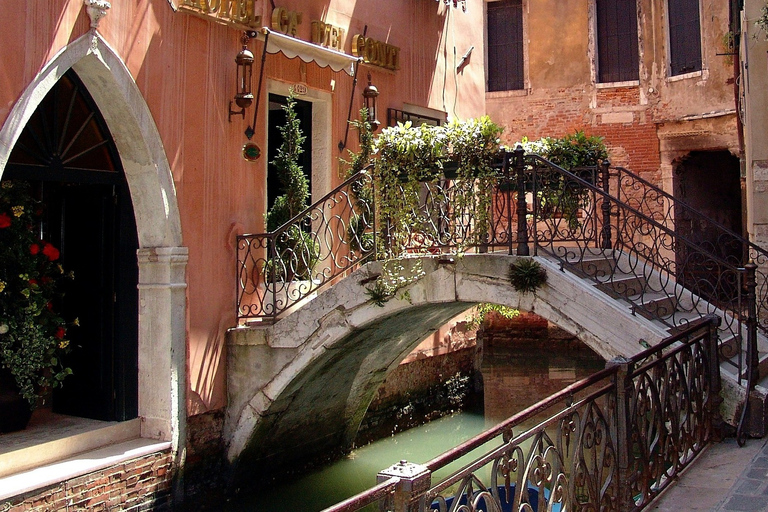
column 143, row 483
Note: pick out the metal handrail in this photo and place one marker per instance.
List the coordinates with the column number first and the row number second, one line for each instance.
column 612, row 441
column 280, row 269
column 725, row 238
column 596, row 229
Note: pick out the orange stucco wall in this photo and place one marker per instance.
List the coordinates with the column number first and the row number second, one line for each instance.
column 184, row 68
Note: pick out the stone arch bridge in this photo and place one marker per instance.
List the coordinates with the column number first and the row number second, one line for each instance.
column 300, row 387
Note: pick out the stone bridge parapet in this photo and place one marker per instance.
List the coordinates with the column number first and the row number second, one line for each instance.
column 299, row 388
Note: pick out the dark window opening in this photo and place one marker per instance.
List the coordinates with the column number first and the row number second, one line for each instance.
column 617, row 54
column 505, row 45
column 684, row 37
column 277, row 120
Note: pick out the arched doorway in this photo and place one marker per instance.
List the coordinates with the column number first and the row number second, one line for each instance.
column 67, row 152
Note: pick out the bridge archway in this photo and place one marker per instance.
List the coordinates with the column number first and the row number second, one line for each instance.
column 300, row 388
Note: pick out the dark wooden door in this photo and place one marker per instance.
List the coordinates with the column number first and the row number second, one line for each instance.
column 68, row 155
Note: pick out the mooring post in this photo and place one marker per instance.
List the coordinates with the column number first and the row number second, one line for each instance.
column 606, row 242
column 522, row 206
column 415, row 480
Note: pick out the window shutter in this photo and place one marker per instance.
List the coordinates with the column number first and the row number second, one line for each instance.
column 617, row 40
column 505, row 45
column 684, row 36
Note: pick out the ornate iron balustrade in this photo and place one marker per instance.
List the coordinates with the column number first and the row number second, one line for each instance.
column 630, row 254
column 606, row 224
column 613, row 441
column 280, row 269
column 709, row 234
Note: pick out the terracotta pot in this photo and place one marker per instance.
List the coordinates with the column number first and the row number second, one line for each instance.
column 14, row 409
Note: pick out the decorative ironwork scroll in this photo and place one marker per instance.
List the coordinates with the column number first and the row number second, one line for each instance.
column 610, row 442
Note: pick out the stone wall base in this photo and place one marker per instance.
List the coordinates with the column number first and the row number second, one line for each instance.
column 143, row 483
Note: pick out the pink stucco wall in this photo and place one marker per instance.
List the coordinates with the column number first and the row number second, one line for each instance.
column 184, row 68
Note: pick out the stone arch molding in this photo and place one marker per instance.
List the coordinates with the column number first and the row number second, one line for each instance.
column 304, row 383
column 162, row 258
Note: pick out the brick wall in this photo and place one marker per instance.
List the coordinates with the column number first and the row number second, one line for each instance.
column 138, row 484
column 616, row 114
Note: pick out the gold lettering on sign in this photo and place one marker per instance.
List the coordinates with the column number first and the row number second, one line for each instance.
column 285, row 21
column 325, row 34
column 236, row 13
column 376, row 53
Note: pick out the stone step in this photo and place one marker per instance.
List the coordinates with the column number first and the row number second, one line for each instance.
column 620, row 285
column 653, row 305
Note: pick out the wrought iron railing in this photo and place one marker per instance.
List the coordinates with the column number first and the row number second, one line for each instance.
column 611, row 442
column 631, row 253
column 278, row 270
column 702, row 230
column 606, row 224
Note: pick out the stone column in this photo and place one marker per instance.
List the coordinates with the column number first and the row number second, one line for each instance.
column 162, row 344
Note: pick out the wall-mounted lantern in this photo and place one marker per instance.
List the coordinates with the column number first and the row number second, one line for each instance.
column 244, row 96
column 370, row 93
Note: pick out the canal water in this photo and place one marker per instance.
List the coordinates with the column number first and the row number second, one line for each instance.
column 513, row 378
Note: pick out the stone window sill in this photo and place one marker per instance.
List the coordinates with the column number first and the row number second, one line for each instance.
column 616, row 85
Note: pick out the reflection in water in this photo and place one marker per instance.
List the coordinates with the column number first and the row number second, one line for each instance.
column 513, row 379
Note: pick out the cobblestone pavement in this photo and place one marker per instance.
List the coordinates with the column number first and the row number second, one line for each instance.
column 726, row 478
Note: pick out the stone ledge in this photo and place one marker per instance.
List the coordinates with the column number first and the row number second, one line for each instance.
column 51, row 437
column 81, row 464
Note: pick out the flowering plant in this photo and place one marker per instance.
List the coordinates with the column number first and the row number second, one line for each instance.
column 32, row 334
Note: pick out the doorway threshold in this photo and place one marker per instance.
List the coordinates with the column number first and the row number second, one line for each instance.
column 50, row 437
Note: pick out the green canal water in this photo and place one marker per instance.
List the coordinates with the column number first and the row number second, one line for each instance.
column 513, row 379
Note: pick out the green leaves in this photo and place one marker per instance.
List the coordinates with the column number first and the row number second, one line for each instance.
column 31, row 331
column 527, row 275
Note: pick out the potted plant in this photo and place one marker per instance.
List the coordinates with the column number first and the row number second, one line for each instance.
column 33, row 336
column 578, row 153
column 473, row 146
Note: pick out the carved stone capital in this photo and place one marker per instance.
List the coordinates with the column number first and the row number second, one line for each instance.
column 96, row 9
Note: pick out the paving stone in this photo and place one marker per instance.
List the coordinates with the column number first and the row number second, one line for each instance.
column 746, row 503
column 757, row 473
column 747, row 486
column 760, row 462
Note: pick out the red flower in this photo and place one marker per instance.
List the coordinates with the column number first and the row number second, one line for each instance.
column 34, row 249
column 46, row 280
column 5, row 220
column 60, row 333
column 33, row 282
column 51, row 252
column 49, row 306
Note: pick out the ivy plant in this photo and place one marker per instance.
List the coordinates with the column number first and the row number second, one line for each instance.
column 409, row 164
column 576, row 152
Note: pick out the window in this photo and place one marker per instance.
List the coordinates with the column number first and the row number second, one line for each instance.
column 684, row 36
column 617, row 59
column 505, row 45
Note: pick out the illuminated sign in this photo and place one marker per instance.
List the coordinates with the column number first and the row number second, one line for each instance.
column 237, row 13
column 325, row 34
column 376, row 53
column 285, row 21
